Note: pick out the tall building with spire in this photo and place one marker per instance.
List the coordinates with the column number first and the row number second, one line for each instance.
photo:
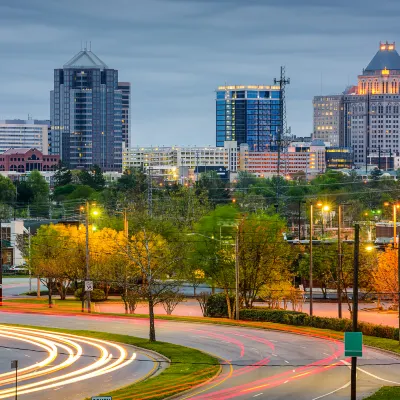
column 370, row 112
column 86, row 114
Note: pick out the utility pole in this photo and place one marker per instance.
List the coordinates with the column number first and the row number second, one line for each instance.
column 126, row 231
column 355, row 309
column 311, row 259
column 237, row 273
column 87, row 292
column 150, row 192
column 1, row 265
column 299, row 221
column 394, row 223
column 30, row 260
column 339, row 269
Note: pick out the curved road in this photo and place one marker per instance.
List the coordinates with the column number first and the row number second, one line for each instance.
column 258, row 363
column 77, row 366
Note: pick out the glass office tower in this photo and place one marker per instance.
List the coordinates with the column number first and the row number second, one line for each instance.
column 248, row 114
column 86, row 114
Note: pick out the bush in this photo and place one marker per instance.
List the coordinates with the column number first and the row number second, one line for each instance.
column 216, row 305
column 96, row 295
column 303, row 319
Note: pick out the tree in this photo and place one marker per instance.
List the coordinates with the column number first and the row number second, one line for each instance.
column 93, row 178
column 7, row 190
column 214, row 185
column 385, row 276
column 40, row 190
column 155, row 260
column 81, row 192
column 24, row 192
column 62, row 176
column 263, row 254
column 62, row 192
column 133, row 180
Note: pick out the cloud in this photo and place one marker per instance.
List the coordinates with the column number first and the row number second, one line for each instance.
column 176, row 52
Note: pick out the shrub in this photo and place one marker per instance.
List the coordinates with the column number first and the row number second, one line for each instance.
column 303, row 319
column 216, row 305
column 96, row 295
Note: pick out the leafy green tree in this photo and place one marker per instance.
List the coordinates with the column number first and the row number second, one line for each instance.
column 132, row 180
column 81, row 192
column 245, row 180
column 7, row 190
column 40, row 190
column 210, row 181
column 24, row 192
column 376, row 174
column 62, row 176
column 93, row 178
column 61, row 192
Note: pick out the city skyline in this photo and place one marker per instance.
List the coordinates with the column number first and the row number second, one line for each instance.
column 174, row 65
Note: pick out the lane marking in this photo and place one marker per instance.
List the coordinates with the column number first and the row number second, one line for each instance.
column 256, row 395
column 333, row 391
column 287, row 362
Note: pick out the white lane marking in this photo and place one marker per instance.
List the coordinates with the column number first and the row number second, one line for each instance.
column 326, row 354
column 275, row 355
column 370, row 374
column 286, row 382
column 294, row 370
column 303, row 347
column 334, row 391
column 256, row 395
column 287, row 362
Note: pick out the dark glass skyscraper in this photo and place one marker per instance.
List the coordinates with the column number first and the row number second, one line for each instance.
column 86, row 114
column 249, row 114
column 125, row 88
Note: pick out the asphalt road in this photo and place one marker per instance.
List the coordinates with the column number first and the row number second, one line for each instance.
column 258, row 363
column 54, row 365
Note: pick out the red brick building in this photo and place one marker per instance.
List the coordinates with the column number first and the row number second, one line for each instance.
column 25, row 160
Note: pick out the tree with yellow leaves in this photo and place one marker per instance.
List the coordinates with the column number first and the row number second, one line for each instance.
column 385, row 276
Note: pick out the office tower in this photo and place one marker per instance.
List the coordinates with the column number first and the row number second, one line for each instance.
column 371, row 115
column 328, row 118
column 248, row 114
column 17, row 133
column 86, row 114
column 125, row 88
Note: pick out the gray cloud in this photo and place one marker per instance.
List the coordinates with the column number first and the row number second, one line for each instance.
column 176, row 52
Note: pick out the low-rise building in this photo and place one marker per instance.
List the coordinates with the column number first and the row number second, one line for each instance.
column 9, row 232
column 27, row 159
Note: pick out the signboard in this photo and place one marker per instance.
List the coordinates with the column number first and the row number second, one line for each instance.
column 102, row 398
column 88, row 286
column 353, row 344
column 14, row 364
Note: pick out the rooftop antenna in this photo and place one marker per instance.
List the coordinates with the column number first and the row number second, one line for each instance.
column 90, row 46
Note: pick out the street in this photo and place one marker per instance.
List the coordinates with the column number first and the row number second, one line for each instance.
column 78, row 367
column 257, row 363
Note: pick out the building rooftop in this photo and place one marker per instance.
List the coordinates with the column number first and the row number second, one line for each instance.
column 386, row 58
column 85, row 59
column 22, row 150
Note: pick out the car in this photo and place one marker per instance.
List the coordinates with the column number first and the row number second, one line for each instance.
column 18, row 270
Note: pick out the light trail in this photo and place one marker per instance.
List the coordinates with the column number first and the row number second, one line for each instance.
column 47, row 374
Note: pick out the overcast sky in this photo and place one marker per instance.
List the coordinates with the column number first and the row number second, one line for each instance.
column 176, row 52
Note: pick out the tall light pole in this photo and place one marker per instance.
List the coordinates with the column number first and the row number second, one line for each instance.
column 339, row 269
column 398, row 282
column 311, row 259
column 395, row 207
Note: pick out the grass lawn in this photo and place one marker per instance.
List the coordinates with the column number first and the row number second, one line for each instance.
column 181, row 375
column 386, row 393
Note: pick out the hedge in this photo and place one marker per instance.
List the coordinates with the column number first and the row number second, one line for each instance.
column 303, row 319
column 96, row 295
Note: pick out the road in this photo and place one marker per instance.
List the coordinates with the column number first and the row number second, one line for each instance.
column 258, row 363
column 14, row 286
column 54, row 365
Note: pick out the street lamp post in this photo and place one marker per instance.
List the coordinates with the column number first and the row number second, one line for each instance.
column 339, row 269
column 311, row 260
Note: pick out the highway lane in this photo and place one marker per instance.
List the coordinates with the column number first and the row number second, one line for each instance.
column 74, row 367
column 258, row 363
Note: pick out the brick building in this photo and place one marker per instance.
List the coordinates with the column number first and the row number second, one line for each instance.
column 25, row 160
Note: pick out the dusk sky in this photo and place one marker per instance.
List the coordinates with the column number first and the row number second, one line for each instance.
column 176, row 52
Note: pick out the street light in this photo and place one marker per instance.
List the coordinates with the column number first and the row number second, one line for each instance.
column 395, row 207
column 87, row 274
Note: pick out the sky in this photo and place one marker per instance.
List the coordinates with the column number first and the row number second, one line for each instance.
column 176, row 53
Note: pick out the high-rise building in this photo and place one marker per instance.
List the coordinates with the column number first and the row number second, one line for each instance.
column 125, row 88
column 372, row 113
column 248, row 114
column 86, row 114
column 17, row 133
column 328, row 118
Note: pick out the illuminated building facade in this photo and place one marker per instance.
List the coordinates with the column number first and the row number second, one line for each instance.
column 328, row 118
column 125, row 88
column 86, row 114
column 248, row 114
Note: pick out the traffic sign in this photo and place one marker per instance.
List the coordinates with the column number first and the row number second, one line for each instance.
column 88, row 286
column 102, row 398
column 353, row 344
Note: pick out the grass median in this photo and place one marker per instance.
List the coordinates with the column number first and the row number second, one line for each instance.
column 386, row 393
column 188, row 368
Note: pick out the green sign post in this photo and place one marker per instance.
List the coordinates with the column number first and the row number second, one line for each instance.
column 353, row 344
